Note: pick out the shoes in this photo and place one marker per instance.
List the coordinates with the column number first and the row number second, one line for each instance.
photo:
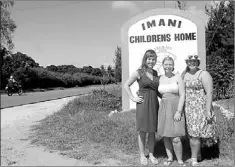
column 168, row 162
column 153, row 160
column 194, row 163
column 143, row 160
column 182, row 164
column 199, row 158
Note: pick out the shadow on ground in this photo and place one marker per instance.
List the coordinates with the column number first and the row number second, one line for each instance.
column 211, row 152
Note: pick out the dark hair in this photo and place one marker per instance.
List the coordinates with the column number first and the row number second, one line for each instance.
column 168, row 58
column 148, row 53
column 187, row 70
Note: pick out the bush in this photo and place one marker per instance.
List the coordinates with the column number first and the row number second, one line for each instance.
column 32, row 78
column 225, row 132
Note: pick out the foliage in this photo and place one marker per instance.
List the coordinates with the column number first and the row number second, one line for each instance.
column 118, row 64
column 8, row 26
column 110, row 71
column 87, row 69
column 225, row 132
column 181, row 5
column 31, row 75
column 15, row 64
column 96, row 72
column 84, row 122
column 71, row 69
column 220, row 47
column 105, row 100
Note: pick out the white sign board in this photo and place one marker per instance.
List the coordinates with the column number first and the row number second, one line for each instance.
column 170, row 33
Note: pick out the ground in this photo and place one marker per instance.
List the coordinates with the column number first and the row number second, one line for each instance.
column 16, row 149
column 15, row 128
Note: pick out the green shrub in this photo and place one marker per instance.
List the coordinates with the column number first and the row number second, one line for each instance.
column 225, row 132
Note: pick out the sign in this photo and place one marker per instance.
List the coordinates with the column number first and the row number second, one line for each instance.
column 169, row 32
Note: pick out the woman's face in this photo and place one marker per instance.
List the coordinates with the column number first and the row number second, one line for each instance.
column 151, row 61
column 168, row 66
column 192, row 64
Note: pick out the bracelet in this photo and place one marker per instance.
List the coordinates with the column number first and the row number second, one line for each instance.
column 179, row 111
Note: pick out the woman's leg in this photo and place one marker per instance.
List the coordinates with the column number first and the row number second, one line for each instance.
column 168, row 147
column 141, row 142
column 151, row 144
column 195, row 145
column 199, row 156
column 177, row 145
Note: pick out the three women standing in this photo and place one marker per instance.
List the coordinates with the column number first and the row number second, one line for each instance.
column 194, row 93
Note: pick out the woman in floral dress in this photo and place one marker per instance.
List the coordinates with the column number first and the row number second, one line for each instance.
column 200, row 118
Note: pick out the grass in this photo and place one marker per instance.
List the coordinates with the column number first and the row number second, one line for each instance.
column 227, row 104
column 83, row 130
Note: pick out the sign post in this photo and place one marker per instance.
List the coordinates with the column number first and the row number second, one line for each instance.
column 170, row 32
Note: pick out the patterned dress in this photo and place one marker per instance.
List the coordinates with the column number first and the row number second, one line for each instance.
column 147, row 112
column 195, row 108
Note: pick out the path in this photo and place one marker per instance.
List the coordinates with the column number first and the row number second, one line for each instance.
column 15, row 125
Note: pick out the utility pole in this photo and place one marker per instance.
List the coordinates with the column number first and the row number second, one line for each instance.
column 164, row 3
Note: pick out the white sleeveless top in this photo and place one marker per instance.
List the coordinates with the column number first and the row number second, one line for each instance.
column 168, row 88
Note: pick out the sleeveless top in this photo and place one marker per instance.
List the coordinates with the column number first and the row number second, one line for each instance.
column 168, row 88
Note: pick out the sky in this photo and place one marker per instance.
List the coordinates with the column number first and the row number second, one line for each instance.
column 78, row 33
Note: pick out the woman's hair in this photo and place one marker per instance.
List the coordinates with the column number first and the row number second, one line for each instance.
column 148, row 53
column 168, row 58
column 187, row 69
column 143, row 67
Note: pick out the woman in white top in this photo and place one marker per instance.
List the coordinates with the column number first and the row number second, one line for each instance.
column 171, row 121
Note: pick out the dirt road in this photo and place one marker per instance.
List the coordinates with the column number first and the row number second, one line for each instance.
column 15, row 147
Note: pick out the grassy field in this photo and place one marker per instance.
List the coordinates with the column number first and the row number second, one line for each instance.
column 83, row 130
column 227, row 104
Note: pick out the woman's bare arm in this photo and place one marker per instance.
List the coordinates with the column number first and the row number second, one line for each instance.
column 127, row 85
column 181, row 93
column 207, row 82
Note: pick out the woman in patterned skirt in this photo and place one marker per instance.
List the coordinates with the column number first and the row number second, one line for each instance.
column 200, row 118
column 146, row 104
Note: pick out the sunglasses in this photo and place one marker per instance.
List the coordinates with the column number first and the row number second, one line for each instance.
column 191, row 61
column 193, row 57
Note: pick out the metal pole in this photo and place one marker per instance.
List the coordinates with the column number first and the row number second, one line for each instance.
column 164, row 4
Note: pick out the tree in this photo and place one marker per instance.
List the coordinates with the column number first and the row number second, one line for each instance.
column 87, row 69
column 8, row 26
column 181, row 5
column 96, row 72
column 4, row 53
column 105, row 78
column 14, row 62
column 52, row 68
column 103, row 71
column 118, row 65
column 109, row 71
column 220, row 45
